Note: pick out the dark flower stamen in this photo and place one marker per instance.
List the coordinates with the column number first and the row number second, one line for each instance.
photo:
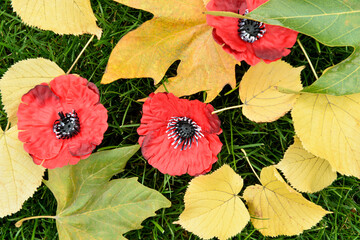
column 67, row 125
column 184, row 131
column 250, row 30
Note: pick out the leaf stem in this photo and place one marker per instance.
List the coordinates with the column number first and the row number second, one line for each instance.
column 7, row 125
column 78, row 57
column 287, row 90
column 308, row 59
column 20, row 222
column 227, row 14
column 227, row 108
column 247, row 159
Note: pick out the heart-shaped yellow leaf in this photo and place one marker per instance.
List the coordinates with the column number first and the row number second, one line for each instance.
column 23, row 76
column 20, row 176
column 212, row 206
column 262, row 101
column 277, row 209
column 61, row 16
column 329, row 127
column 305, row 171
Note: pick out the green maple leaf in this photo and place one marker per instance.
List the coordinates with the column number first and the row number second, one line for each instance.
column 92, row 207
column 333, row 23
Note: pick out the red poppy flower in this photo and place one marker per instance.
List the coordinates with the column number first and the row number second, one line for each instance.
column 179, row 136
column 61, row 122
column 246, row 39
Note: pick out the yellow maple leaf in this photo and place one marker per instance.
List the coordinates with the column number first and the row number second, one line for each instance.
column 277, row 209
column 20, row 176
column 212, row 206
column 177, row 31
column 305, row 171
column 329, row 127
column 61, row 16
column 262, row 101
column 23, row 76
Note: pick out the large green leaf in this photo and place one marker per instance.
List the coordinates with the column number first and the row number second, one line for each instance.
column 90, row 206
column 331, row 22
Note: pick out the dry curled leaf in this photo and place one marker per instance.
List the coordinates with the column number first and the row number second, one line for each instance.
column 177, row 31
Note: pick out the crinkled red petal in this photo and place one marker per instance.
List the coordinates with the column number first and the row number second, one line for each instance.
column 159, row 152
column 215, row 143
column 248, row 54
column 215, row 147
column 201, row 113
column 252, row 4
column 36, row 116
column 156, row 149
column 164, row 105
column 158, row 109
column 275, row 42
column 230, row 36
column 62, row 159
column 93, row 124
column 74, row 92
column 226, row 5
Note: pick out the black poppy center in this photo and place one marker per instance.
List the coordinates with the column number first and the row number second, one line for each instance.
column 67, row 125
column 250, row 30
column 184, row 131
column 251, row 27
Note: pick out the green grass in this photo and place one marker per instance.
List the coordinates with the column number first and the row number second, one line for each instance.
column 265, row 143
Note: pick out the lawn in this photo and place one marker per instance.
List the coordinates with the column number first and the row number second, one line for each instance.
column 265, row 143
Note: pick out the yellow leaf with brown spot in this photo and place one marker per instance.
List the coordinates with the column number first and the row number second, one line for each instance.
column 212, row 206
column 262, row 101
column 305, row 171
column 329, row 127
column 177, row 31
column 20, row 176
column 277, row 209
column 23, row 76
column 60, row 16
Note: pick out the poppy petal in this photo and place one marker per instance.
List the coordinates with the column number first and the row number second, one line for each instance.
column 156, row 114
column 74, row 92
column 228, row 32
column 252, row 4
column 275, row 45
column 62, row 159
column 36, row 116
column 161, row 154
column 94, row 121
